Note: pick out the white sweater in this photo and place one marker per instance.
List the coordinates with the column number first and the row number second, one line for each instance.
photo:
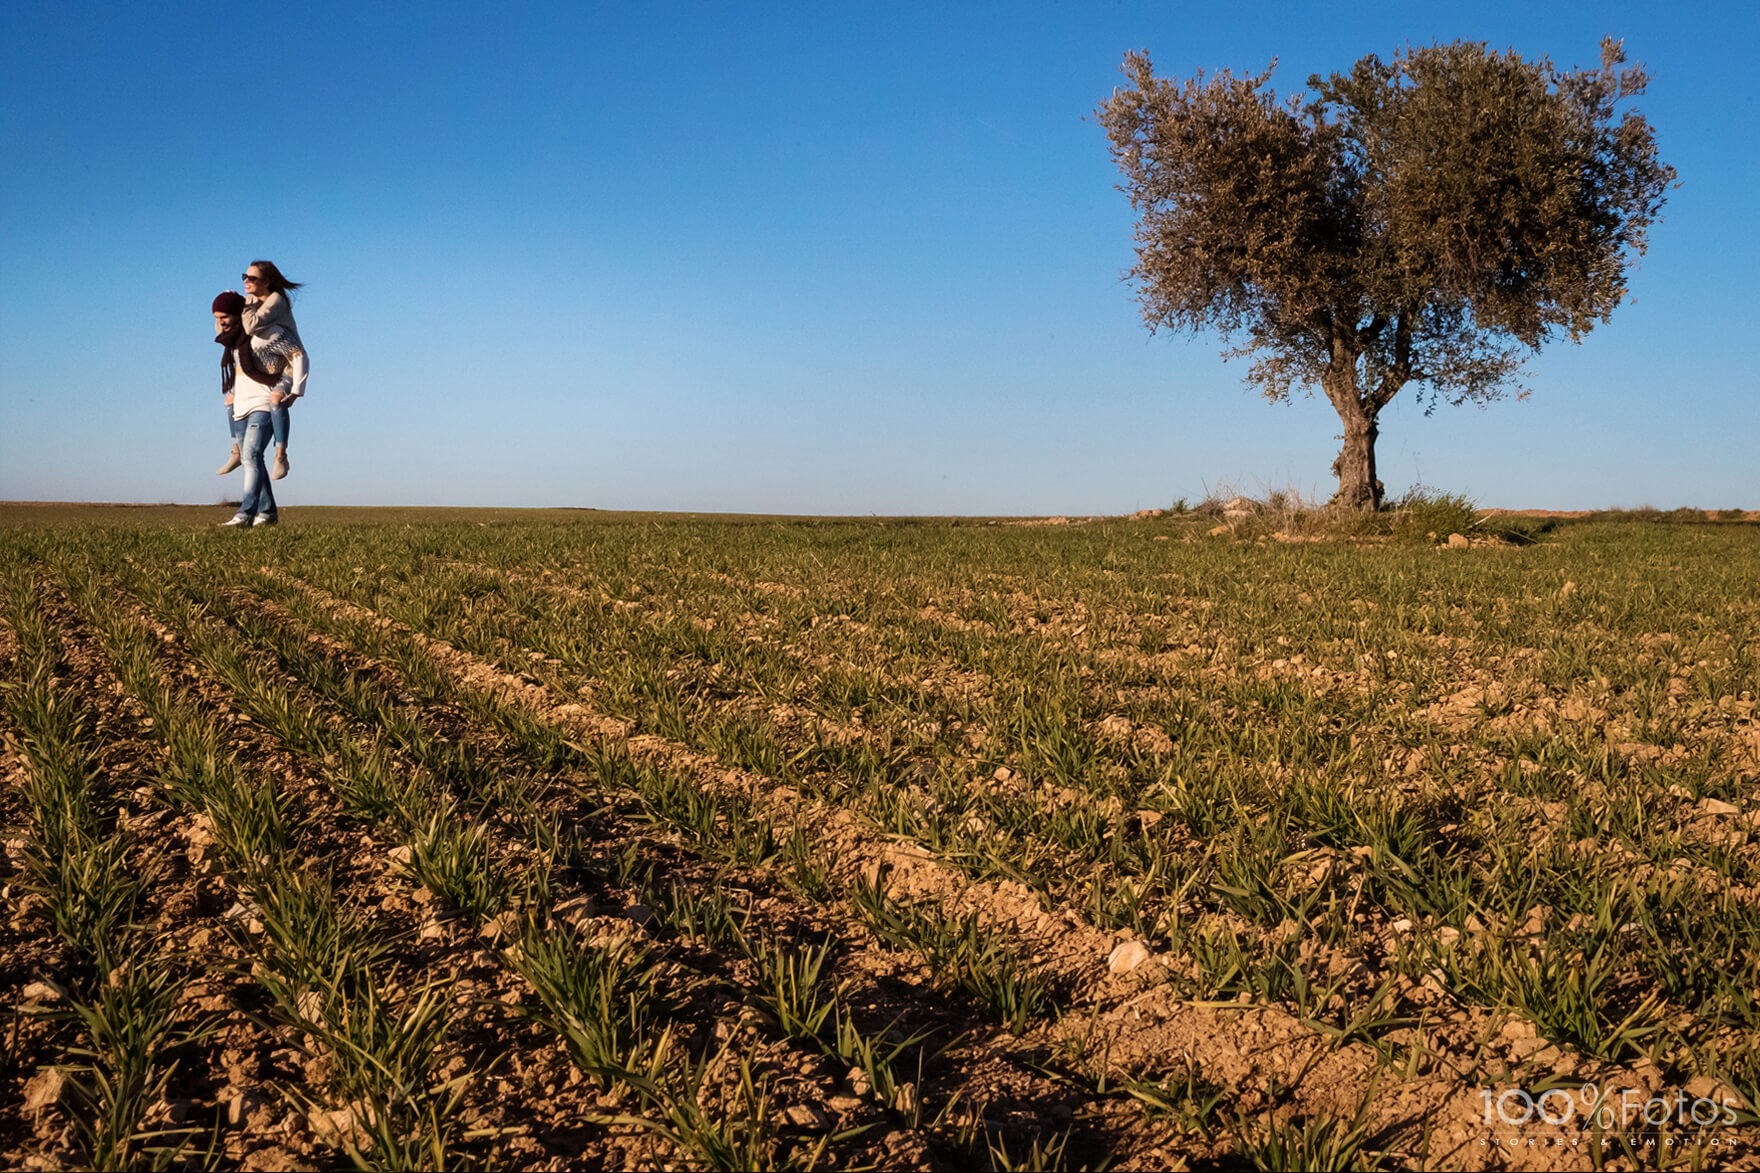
column 279, row 356
column 262, row 316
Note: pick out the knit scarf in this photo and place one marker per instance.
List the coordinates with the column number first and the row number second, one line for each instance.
column 236, row 341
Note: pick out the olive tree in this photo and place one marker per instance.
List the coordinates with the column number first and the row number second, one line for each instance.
column 1430, row 220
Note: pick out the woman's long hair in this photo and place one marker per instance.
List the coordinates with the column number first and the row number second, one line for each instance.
column 273, row 278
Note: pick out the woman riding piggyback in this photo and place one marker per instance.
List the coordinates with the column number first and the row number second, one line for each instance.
column 257, row 377
column 268, row 316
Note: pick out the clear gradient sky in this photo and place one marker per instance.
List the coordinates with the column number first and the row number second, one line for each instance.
column 800, row 258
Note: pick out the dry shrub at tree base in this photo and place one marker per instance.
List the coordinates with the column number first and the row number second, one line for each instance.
column 1420, row 516
column 555, row 842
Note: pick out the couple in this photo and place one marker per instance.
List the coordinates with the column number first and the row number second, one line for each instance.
column 262, row 345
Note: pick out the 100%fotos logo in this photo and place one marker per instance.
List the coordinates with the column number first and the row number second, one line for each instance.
column 1609, row 1109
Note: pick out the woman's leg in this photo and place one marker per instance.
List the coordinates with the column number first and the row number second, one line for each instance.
column 258, row 501
column 279, row 420
column 236, row 428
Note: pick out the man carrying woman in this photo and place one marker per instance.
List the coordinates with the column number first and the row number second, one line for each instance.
column 257, row 375
column 266, row 309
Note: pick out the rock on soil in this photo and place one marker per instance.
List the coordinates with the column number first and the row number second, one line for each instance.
column 1127, row 957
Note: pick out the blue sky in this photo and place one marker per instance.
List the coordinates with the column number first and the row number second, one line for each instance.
column 799, row 258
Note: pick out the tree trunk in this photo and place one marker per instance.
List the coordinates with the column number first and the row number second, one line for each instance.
column 1358, row 487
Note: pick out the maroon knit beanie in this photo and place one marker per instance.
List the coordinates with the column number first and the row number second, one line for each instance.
column 229, row 303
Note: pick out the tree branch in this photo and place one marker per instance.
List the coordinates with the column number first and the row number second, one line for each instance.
column 1399, row 373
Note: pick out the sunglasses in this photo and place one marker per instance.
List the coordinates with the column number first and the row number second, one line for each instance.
column 253, row 277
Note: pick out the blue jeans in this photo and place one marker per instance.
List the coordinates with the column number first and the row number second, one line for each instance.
column 259, row 498
column 278, row 419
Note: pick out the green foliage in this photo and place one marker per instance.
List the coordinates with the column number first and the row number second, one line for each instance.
column 1039, row 1155
column 741, row 1137
column 1423, row 511
column 130, row 1020
column 1297, row 1144
column 313, row 940
column 599, row 1000
column 453, row 859
column 1184, row 1097
column 791, row 987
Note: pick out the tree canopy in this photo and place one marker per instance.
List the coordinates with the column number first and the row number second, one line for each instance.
column 1426, row 221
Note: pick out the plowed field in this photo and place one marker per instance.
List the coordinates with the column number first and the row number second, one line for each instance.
column 544, row 841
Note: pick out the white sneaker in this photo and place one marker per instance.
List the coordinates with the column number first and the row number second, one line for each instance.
column 238, row 520
column 264, row 519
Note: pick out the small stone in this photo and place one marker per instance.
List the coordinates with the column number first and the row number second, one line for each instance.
column 40, row 992
column 1218, row 531
column 1127, row 957
column 1535, row 924
column 243, row 1106
column 400, row 855
column 44, row 1089
column 310, row 1005
column 808, row 1117
column 177, row 1111
column 1149, row 739
column 1458, row 542
column 501, row 925
column 573, row 912
column 332, row 1126
column 1716, row 806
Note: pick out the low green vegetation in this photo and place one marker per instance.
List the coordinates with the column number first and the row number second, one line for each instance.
column 763, row 842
